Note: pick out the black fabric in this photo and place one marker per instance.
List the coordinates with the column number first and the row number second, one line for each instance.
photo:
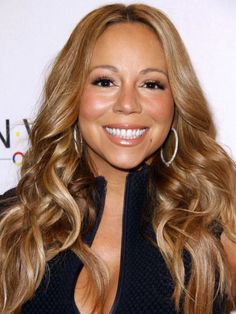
column 145, row 285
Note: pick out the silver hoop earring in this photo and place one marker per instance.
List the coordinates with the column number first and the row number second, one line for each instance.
column 169, row 162
column 78, row 149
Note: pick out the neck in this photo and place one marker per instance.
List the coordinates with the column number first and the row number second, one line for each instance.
column 115, row 193
column 115, row 189
column 115, row 177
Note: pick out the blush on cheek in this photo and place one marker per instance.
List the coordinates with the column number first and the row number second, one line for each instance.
column 92, row 107
column 161, row 111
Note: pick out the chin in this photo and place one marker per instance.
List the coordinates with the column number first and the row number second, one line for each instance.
column 126, row 165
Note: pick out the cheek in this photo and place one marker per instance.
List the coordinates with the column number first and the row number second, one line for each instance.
column 161, row 109
column 92, row 104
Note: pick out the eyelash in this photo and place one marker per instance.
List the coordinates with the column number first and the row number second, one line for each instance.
column 157, row 85
column 108, row 82
column 103, row 79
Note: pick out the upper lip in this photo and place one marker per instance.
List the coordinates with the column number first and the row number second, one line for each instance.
column 125, row 126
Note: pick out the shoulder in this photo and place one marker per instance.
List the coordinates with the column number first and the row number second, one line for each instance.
column 8, row 199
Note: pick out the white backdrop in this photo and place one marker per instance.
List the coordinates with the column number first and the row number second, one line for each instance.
column 32, row 33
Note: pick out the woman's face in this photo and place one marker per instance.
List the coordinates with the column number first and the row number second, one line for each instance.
column 127, row 108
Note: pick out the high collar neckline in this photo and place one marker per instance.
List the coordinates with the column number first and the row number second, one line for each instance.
column 134, row 205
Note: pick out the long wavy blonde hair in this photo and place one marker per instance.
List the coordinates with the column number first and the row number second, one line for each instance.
column 56, row 190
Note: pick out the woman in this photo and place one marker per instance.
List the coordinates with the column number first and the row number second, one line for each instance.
column 124, row 193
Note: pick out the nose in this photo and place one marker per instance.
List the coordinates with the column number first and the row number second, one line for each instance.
column 127, row 101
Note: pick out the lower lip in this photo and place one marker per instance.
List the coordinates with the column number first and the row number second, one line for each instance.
column 126, row 142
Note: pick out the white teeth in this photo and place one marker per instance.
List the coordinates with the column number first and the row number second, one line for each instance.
column 126, row 133
column 122, row 133
column 129, row 133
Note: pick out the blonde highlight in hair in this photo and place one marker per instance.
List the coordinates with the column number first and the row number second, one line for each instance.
column 57, row 186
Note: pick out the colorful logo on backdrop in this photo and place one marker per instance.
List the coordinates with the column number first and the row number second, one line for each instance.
column 13, row 140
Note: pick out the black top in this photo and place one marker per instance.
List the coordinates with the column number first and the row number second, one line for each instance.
column 145, row 285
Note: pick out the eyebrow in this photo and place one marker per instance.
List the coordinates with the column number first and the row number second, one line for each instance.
column 104, row 66
column 145, row 71
column 114, row 69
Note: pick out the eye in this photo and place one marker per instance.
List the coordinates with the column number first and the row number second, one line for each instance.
column 103, row 82
column 153, row 85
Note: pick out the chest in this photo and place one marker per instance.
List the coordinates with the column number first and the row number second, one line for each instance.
column 142, row 284
column 107, row 246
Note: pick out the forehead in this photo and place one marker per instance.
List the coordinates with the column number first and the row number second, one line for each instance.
column 128, row 40
column 127, row 28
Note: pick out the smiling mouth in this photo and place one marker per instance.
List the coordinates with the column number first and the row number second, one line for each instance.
column 128, row 134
